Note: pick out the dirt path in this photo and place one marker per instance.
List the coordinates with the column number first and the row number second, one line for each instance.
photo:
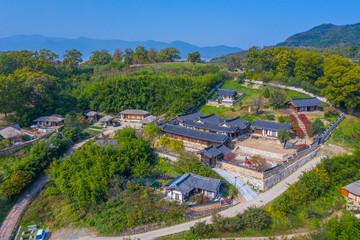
column 15, row 212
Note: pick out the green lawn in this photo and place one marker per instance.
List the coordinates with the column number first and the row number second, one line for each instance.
column 295, row 94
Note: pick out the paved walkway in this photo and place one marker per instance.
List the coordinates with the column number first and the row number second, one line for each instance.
column 262, row 200
column 15, row 212
column 243, row 188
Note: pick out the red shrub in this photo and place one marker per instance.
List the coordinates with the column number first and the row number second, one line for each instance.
column 301, row 146
column 307, row 124
column 294, row 119
column 300, row 133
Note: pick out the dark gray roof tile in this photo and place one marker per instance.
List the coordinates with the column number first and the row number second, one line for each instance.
column 260, row 124
column 305, row 102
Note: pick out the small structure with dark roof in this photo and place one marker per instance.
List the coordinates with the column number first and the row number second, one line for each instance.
column 269, row 129
column 304, row 104
column 91, row 115
column 146, row 181
column 194, row 136
column 352, row 191
column 225, row 97
column 50, row 121
column 106, row 120
column 149, row 119
column 12, row 133
column 133, row 114
column 183, row 187
column 211, row 154
column 105, row 142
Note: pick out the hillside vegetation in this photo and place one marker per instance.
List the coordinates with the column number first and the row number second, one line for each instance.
column 326, row 35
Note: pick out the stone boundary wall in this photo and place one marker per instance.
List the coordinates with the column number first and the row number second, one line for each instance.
column 15, row 148
column 201, row 207
column 266, row 179
column 297, row 89
column 170, row 156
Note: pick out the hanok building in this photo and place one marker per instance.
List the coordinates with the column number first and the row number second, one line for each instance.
column 269, row 129
column 133, row 114
column 352, row 191
column 225, row 97
column 12, row 133
column 149, row 119
column 193, row 136
column 91, row 116
column 182, row 188
column 107, row 120
column 214, row 124
column 211, row 154
column 304, row 104
column 50, row 121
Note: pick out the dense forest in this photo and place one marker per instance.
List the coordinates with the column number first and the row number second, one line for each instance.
column 326, row 35
column 36, row 83
column 334, row 77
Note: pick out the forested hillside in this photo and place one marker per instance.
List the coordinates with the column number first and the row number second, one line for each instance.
column 36, row 83
column 326, row 35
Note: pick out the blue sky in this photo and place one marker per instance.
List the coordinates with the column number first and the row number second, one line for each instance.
column 204, row 23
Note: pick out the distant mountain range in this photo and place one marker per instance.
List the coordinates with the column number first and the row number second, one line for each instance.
column 87, row 45
column 326, row 35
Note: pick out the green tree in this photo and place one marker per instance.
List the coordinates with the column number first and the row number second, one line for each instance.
column 152, row 55
column 128, row 56
column 168, row 54
column 12, row 94
column 194, row 57
column 308, row 66
column 346, row 227
column 267, row 93
column 100, row 57
column 283, row 136
column 140, row 55
column 118, row 55
column 317, row 126
column 278, row 98
column 72, row 60
column 152, row 131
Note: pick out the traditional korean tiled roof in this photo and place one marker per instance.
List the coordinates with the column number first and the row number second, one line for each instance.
column 260, row 124
column 305, row 102
column 189, row 116
column 187, row 132
column 215, row 151
column 149, row 119
column 226, row 92
column 105, row 142
column 353, row 188
column 134, row 112
column 91, row 114
column 52, row 118
column 12, row 131
column 187, row 182
column 107, row 118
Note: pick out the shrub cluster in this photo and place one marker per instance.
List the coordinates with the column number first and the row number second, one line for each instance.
column 307, row 124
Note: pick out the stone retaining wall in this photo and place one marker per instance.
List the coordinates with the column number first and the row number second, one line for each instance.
column 262, row 153
column 15, row 148
column 201, row 207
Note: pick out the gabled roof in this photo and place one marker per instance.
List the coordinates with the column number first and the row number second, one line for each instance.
column 226, row 92
column 353, row 188
column 213, row 151
column 260, row 124
column 134, row 112
column 149, row 119
column 105, row 142
column 187, row 132
column 189, row 181
column 189, row 116
column 210, row 126
column 91, row 114
column 107, row 118
column 52, row 118
column 11, row 132
column 305, row 102
column 145, row 181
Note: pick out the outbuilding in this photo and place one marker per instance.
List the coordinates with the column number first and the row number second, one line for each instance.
column 133, row 114
column 269, row 129
column 304, row 104
column 182, row 188
column 92, row 115
column 50, row 121
column 352, row 191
